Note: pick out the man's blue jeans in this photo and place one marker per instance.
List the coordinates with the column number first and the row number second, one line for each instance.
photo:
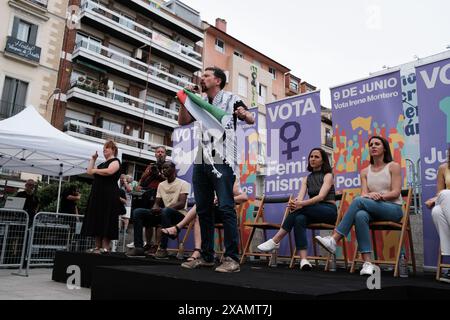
column 205, row 183
column 361, row 212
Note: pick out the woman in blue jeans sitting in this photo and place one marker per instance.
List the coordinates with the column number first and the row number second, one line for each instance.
column 380, row 200
column 319, row 208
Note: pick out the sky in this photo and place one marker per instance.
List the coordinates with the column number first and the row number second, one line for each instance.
column 328, row 43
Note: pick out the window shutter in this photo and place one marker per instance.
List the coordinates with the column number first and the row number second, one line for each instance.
column 33, row 34
column 15, row 27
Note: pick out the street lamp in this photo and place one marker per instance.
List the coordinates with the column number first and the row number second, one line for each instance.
column 56, row 91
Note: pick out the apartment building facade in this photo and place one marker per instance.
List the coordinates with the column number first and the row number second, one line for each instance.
column 31, row 38
column 121, row 68
column 30, row 44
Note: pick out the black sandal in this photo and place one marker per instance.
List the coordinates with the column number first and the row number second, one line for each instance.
column 172, row 236
column 192, row 258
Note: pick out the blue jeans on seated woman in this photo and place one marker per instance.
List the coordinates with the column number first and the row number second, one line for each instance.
column 298, row 220
column 361, row 212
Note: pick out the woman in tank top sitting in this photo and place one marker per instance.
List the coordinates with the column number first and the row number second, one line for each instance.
column 441, row 207
column 319, row 208
column 380, row 200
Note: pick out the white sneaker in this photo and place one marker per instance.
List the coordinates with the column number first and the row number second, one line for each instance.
column 268, row 246
column 305, row 265
column 367, row 269
column 328, row 243
column 131, row 245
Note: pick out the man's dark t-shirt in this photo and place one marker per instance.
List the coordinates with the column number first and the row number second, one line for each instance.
column 31, row 203
column 68, row 206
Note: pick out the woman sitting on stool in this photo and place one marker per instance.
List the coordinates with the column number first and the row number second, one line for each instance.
column 319, row 208
column 440, row 206
column 380, row 200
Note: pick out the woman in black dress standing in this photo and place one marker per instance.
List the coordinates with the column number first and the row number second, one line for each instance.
column 103, row 209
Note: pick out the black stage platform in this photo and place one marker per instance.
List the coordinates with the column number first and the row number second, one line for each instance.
column 117, row 277
column 166, row 282
column 88, row 262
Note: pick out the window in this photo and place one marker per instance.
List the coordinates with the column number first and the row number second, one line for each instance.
column 187, row 79
column 124, row 20
column 220, row 45
column 119, row 54
column 112, row 126
column 156, row 105
column 24, row 31
column 243, row 86
column 160, row 66
column 121, row 90
column 262, row 94
column 78, row 116
column 13, row 97
column 88, row 42
column 293, row 85
column 273, row 72
column 154, row 138
column 328, row 138
column 238, row 54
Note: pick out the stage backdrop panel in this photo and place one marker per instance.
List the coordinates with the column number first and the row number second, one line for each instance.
column 293, row 129
column 361, row 110
column 433, row 84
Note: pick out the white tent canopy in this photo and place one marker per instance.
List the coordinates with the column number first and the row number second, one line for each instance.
column 30, row 144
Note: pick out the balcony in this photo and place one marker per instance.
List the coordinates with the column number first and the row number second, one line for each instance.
column 42, row 3
column 127, row 66
column 35, row 7
column 10, row 173
column 152, row 10
column 98, row 94
column 127, row 144
column 140, row 35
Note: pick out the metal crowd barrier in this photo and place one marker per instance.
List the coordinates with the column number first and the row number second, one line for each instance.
column 52, row 232
column 13, row 237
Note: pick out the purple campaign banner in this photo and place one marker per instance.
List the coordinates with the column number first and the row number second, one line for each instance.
column 185, row 149
column 293, row 129
column 361, row 110
column 433, row 85
column 247, row 146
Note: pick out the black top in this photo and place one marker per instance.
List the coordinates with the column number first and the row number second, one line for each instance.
column 314, row 184
column 68, row 206
column 31, row 203
column 104, row 206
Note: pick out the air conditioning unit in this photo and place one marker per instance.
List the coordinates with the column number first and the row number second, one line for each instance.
column 137, row 53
